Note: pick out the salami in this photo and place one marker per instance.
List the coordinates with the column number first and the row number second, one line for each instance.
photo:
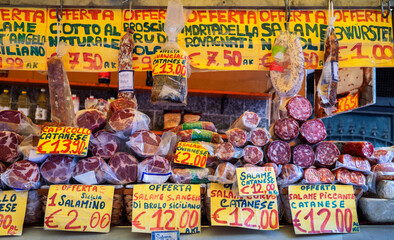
column 303, row 156
column 247, row 121
column 90, row 171
column 325, row 175
column 199, row 135
column 126, row 74
column 191, row 175
column 225, row 173
column 195, row 125
column 124, row 169
column 101, row 105
column 237, row 137
column 226, row 151
column 259, row 137
column 290, row 174
column 382, row 155
column 359, row 149
column 279, row 152
column 384, row 171
column 342, row 175
column 121, row 104
column 311, row 175
column 357, row 178
column 313, row 131
column 353, row 163
column 286, row 129
column 253, row 155
column 277, row 169
column 298, row 108
column 144, row 143
column 326, row 153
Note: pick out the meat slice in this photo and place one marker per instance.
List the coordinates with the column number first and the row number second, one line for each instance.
column 354, row 163
column 128, row 121
column 279, row 152
column 154, row 169
column 359, row 149
column 91, row 119
column 259, row 137
column 57, row 169
column 144, row 143
column 357, row 178
column 303, row 156
column 290, row 174
column 11, row 120
column 121, row 104
column 253, row 155
column 342, row 175
column 123, row 169
column 299, row 108
column 311, row 175
column 9, row 142
column 286, row 129
column 90, row 171
column 327, row 153
column 104, row 143
column 22, row 175
column 325, row 175
column 313, row 131
column 237, row 137
column 247, row 121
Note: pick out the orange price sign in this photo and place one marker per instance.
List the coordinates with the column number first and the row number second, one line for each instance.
column 64, row 140
column 347, row 103
column 191, row 154
column 85, row 208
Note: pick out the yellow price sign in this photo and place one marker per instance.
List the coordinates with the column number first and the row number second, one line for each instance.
column 12, row 212
column 191, row 154
column 256, row 212
column 318, row 209
column 256, row 181
column 64, row 140
column 84, row 208
column 170, row 62
column 166, row 207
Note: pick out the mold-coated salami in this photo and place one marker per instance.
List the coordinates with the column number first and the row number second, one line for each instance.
column 247, row 121
column 286, row 129
column 259, row 137
column 290, row 174
column 253, row 154
column 359, row 149
column 354, row 163
column 299, row 108
column 311, row 175
column 313, row 131
column 279, row 152
column 357, row 178
column 303, row 156
column 237, row 137
column 342, row 175
column 326, row 153
column 325, row 175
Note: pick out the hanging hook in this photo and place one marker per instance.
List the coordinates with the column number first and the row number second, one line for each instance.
column 388, row 9
column 287, row 11
column 59, row 16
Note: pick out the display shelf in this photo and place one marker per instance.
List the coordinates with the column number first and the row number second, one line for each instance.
column 380, row 232
column 191, row 92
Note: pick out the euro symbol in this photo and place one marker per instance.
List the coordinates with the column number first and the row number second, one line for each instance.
column 297, row 224
column 243, row 190
column 215, row 216
column 49, row 219
column 137, row 223
column 39, row 148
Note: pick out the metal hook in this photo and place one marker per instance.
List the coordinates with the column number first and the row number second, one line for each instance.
column 287, row 11
column 59, row 16
column 388, row 9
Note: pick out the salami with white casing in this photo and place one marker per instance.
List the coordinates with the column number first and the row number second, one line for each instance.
column 237, row 137
column 259, row 137
column 253, row 155
column 247, row 121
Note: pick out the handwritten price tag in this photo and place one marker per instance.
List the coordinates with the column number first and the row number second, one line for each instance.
column 323, row 209
column 191, row 154
column 12, row 212
column 256, row 181
column 347, row 103
column 166, row 207
column 84, row 208
column 255, row 212
column 170, row 62
column 64, row 140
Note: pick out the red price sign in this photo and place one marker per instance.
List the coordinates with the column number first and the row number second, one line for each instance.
column 64, row 140
column 191, row 154
column 79, row 208
column 347, row 103
column 320, row 209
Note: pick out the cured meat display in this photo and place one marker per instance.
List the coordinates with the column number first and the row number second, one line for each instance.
column 384, row 171
column 325, row 175
column 303, row 156
column 195, row 125
column 104, row 143
column 125, row 61
column 199, row 135
column 22, row 175
column 327, row 153
column 357, row 178
column 247, row 121
column 91, row 119
column 191, row 175
column 286, row 129
column 121, row 104
column 354, row 163
column 154, row 169
column 225, row 173
column 359, row 149
column 311, row 175
column 313, row 131
column 128, row 121
column 226, row 151
column 259, row 137
column 62, row 107
column 144, row 143
column 16, row 121
column 124, row 169
column 101, row 105
column 342, row 175
column 237, row 137
column 298, row 108
column 279, row 152
column 382, row 155
column 28, row 147
column 9, row 142
column 57, row 169
column 277, row 169
column 253, row 155
column 290, row 174
column 90, row 171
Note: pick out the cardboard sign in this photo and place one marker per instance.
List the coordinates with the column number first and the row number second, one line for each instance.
column 317, row 209
column 165, row 235
column 12, row 212
column 166, row 207
column 255, row 212
column 170, row 62
column 256, row 181
column 64, row 140
column 191, row 154
column 86, row 208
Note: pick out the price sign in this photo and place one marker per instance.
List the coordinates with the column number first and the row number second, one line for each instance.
column 170, row 62
column 256, row 212
column 256, row 181
column 320, row 209
column 12, row 212
column 64, row 140
column 166, row 207
column 191, row 154
column 84, row 208
column 347, row 103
